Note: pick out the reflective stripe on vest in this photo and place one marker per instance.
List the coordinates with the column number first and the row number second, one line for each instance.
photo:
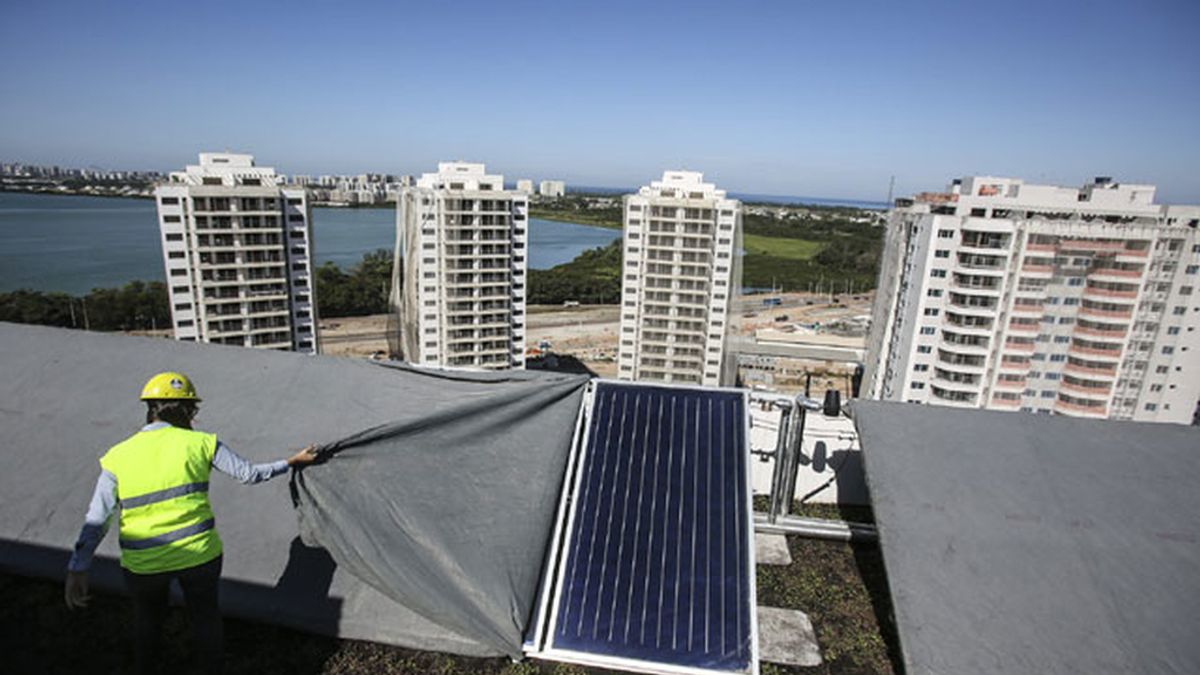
column 162, row 487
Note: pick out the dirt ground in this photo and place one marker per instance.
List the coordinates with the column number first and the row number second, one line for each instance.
column 590, row 332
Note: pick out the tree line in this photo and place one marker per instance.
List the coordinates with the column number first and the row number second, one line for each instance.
column 145, row 305
column 849, row 257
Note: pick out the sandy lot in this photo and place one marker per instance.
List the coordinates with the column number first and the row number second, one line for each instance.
column 590, row 332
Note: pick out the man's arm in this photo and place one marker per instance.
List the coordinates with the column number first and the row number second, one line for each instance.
column 229, row 462
column 95, row 526
column 95, row 523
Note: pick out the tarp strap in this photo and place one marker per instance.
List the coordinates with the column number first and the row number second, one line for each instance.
column 164, row 495
column 175, row 535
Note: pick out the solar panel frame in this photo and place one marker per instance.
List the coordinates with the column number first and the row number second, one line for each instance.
column 555, row 576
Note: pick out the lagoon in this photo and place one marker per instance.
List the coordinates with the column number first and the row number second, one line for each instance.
column 74, row 244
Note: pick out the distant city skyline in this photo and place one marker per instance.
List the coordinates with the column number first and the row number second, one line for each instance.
column 773, row 98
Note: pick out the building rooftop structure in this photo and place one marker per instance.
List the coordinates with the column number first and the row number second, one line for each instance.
column 1012, row 544
column 1021, row 544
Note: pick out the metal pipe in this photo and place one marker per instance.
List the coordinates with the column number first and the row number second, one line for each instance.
column 817, row 528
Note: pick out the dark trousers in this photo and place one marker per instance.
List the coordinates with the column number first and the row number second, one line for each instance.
column 149, row 593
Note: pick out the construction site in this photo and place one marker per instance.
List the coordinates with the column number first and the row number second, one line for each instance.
column 808, row 340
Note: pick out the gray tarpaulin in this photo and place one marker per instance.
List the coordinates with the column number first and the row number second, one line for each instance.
column 1018, row 543
column 443, row 507
column 442, row 510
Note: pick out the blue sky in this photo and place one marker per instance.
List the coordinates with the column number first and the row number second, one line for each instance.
column 807, row 98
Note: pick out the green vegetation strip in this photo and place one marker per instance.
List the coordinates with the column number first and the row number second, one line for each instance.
column 781, row 247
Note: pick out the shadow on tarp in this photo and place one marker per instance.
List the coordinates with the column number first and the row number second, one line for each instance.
column 299, row 600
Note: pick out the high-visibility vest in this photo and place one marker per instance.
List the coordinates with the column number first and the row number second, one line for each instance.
column 162, row 487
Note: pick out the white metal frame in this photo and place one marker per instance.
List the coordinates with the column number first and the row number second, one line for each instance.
column 552, row 577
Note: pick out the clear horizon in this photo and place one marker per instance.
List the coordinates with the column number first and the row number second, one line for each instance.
column 771, row 99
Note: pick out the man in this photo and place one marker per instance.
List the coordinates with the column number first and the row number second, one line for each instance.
column 159, row 478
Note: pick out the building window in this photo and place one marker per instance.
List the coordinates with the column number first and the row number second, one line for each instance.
column 1168, row 350
column 937, row 273
column 1058, row 357
column 170, row 200
column 171, row 219
column 176, row 255
column 174, row 237
column 1151, row 407
column 186, row 323
column 924, row 349
column 920, row 367
column 295, row 218
column 917, row 385
column 928, row 330
column 941, row 253
column 934, row 293
column 931, row 311
column 183, row 307
column 179, row 273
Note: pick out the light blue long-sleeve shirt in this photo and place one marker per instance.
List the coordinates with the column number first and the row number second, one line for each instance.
column 104, row 497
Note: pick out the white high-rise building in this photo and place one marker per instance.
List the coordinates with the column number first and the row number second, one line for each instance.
column 459, row 282
column 680, row 275
column 525, row 185
column 237, row 247
column 552, row 188
column 1005, row 295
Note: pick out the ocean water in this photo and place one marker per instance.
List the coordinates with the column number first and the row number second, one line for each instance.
column 74, row 244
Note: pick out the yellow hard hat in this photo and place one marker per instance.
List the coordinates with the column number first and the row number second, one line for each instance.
column 169, row 385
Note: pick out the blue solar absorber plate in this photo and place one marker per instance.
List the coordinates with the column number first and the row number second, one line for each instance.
column 657, row 566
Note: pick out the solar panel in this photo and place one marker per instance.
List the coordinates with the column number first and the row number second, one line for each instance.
column 656, row 567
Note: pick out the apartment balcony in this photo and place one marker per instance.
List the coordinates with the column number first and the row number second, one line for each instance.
column 1114, row 354
column 1090, row 245
column 1047, row 248
column 1017, row 385
column 1023, row 328
column 953, row 397
column 1091, row 392
column 1037, row 270
column 1077, row 410
column 1114, row 335
column 1105, row 313
column 1107, row 294
column 983, row 249
column 976, row 309
column 1021, row 347
column 956, row 385
column 1109, row 273
column 266, row 312
column 960, row 363
column 1133, row 255
column 1015, row 366
column 225, row 332
column 964, row 349
column 1074, row 369
column 267, row 295
column 1005, row 402
column 977, row 289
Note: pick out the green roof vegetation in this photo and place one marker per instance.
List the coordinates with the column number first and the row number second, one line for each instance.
column 840, row 586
